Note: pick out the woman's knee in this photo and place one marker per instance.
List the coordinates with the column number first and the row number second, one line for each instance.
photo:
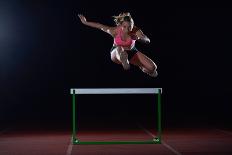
column 114, row 58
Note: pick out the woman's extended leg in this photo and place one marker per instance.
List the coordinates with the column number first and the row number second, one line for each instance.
column 144, row 63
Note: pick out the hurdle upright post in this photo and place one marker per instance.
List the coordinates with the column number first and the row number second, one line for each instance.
column 74, row 139
column 159, row 115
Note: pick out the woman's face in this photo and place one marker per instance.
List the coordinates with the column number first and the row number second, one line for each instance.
column 126, row 26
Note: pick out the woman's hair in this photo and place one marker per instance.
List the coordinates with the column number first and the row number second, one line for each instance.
column 125, row 16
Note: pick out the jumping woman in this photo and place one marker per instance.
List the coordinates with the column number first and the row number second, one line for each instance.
column 124, row 51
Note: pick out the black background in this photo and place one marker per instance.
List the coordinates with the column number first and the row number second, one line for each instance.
column 45, row 51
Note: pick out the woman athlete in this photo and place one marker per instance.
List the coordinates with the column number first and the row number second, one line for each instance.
column 123, row 51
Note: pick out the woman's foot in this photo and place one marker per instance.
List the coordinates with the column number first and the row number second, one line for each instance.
column 124, row 60
column 154, row 74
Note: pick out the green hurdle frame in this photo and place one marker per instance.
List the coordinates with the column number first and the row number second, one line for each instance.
column 74, row 92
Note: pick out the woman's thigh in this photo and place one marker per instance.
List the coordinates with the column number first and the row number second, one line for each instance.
column 141, row 60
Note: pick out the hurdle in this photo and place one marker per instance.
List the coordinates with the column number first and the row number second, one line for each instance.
column 104, row 91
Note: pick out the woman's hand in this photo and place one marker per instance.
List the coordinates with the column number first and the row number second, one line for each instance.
column 142, row 37
column 134, row 36
column 82, row 18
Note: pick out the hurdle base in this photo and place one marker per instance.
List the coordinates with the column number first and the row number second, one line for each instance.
column 154, row 141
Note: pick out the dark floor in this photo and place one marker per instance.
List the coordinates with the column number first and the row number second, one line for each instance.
column 205, row 141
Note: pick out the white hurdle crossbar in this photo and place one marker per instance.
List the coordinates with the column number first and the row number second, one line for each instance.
column 78, row 91
column 116, row 91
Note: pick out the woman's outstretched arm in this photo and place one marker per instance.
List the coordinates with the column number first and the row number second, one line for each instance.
column 107, row 29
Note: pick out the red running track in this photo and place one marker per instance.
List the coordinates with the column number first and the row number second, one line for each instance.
column 175, row 142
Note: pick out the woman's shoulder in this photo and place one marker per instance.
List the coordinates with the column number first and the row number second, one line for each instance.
column 113, row 30
column 116, row 30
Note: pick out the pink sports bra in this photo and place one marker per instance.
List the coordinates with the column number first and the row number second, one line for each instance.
column 119, row 42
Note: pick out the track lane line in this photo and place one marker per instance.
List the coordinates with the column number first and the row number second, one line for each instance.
column 162, row 142
column 70, row 146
